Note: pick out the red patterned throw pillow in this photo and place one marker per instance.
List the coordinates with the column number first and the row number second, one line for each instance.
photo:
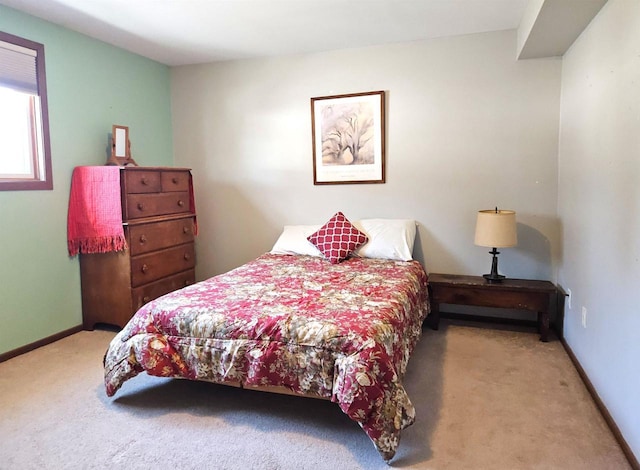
column 337, row 238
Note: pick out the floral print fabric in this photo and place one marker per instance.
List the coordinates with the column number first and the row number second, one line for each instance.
column 338, row 331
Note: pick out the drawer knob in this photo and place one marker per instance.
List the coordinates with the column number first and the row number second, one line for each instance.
column 187, row 256
column 144, row 180
column 144, row 268
column 146, row 299
column 140, row 206
column 185, row 230
column 186, row 282
column 174, row 180
column 143, row 239
column 180, row 202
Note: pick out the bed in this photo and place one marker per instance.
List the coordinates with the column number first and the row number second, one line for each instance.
column 295, row 323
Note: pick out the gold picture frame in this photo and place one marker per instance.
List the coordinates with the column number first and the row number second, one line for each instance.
column 348, row 138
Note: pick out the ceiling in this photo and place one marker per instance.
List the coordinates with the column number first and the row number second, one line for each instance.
column 180, row 32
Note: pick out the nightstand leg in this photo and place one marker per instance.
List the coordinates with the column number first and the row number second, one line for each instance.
column 433, row 319
column 543, row 325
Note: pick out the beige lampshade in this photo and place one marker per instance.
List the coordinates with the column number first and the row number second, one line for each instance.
column 496, row 229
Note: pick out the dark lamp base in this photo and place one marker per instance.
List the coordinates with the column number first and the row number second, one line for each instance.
column 494, row 277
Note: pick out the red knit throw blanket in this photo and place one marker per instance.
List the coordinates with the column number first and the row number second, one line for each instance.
column 94, row 220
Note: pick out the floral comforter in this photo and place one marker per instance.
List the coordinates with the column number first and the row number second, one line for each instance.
column 342, row 332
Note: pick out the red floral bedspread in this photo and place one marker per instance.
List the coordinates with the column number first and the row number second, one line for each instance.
column 343, row 332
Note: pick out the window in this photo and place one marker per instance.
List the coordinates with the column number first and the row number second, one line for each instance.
column 25, row 155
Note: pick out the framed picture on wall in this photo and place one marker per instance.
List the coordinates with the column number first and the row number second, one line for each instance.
column 348, row 138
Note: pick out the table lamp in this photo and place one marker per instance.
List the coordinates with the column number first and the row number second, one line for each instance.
column 496, row 229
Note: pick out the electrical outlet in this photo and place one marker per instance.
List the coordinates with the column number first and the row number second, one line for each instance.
column 584, row 317
column 569, row 298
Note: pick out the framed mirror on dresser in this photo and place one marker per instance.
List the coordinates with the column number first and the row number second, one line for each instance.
column 120, row 147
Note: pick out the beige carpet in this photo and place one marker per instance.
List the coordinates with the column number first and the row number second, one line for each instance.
column 485, row 399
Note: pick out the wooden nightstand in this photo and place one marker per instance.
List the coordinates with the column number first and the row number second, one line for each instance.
column 517, row 294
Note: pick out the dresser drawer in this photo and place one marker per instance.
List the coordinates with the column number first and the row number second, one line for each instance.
column 151, row 205
column 153, row 266
column 154, row 236
column 147, row 181
column 175, row 181
column 145, row 294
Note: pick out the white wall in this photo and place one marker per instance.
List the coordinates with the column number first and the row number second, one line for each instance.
column 468, row 128
column 599, row 205
column 527, row 22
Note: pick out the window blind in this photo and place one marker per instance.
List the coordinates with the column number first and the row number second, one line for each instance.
column 18, row 68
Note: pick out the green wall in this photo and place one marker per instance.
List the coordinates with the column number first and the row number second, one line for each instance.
column 91, row 86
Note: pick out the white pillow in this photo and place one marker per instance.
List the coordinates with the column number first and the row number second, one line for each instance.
column 388, row 238
column 293, row 241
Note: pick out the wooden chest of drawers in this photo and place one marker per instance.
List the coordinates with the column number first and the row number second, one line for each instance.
column 159, row 227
